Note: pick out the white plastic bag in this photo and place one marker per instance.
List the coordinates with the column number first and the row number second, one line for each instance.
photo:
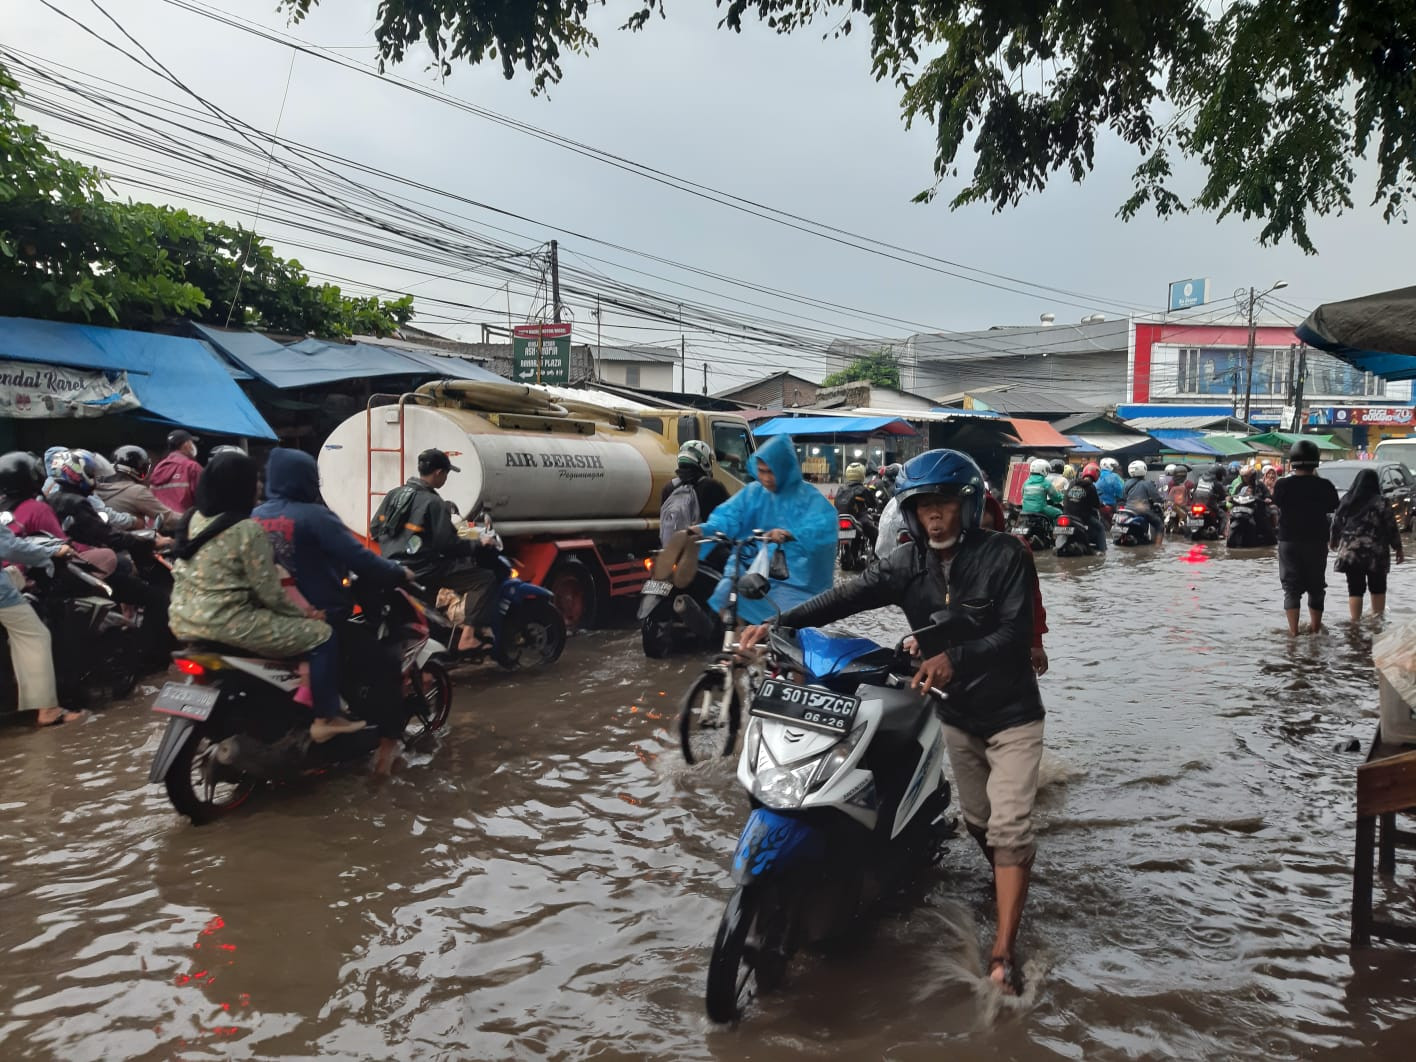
column 761, row 564
column 1394, row 655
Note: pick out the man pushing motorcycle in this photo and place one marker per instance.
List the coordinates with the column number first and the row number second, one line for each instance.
column 993, row 712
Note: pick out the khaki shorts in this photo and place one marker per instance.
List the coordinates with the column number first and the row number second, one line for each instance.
column 996, row 781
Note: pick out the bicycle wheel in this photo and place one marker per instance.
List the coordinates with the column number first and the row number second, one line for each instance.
column 709, row 716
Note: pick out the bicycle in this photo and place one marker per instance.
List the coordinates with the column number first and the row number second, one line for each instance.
column 712, row 704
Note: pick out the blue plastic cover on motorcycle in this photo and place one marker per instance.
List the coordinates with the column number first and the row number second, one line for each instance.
column 825, row 654
column 770, row 842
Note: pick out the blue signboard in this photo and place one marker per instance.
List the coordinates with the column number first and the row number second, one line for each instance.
column 1187, row 293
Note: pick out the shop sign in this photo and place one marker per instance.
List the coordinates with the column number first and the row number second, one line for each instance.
column 1374, row 416
column 1185, row 294
column 29, row 390
column 541, row 354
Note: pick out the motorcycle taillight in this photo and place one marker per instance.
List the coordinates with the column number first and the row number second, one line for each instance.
column 195, row 668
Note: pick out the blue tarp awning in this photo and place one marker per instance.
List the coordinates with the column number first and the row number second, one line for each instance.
column 177, row 380
column 1081, row 446
column 313, row 362
column 832, row 426
column 1180, row 442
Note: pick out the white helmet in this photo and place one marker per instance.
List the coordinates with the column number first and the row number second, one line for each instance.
column 1039, row 467
column 1136, row 468
column 1170, row 470
column 1111, row 464
column 696, row 453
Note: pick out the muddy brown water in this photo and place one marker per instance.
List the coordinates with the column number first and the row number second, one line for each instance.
column 547, row 882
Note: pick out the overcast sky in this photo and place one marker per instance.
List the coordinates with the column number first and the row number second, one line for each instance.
column 793, row 122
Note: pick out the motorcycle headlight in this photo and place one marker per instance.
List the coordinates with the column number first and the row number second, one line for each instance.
column 783, row 787
column 834, row 760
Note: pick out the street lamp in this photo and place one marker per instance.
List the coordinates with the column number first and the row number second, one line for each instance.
column 1249, row 300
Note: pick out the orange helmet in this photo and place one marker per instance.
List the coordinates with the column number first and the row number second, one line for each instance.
column 1092, row 472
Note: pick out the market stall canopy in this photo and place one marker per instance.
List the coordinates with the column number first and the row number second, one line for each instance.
column 1374, row 333
column 176, row 380
column 1120, row 445
column 1229, row 445
column 832, row 426
column 1179, row 442
column 1038, row 435
column 1284, row 439
column 315, row 362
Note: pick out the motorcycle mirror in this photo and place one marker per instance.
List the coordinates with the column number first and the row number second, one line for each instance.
column 754, row 587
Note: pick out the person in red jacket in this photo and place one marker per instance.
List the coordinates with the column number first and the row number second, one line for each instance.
column 173, row 480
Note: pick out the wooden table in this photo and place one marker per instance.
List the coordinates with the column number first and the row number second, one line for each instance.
column 1386, row 786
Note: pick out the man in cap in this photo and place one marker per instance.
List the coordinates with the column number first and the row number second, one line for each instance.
column 173, row 480
column 413, row 527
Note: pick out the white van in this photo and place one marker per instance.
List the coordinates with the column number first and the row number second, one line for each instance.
column 1403, row 450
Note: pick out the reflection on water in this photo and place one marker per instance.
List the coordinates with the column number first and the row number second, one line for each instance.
column 548, row 883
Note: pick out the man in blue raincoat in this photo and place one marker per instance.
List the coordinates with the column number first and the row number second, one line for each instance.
column 799, row 519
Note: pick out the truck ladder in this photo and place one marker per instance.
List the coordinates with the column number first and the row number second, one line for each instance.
column 370, row 449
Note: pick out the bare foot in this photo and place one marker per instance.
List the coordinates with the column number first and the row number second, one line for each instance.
column 1003, row 974
column 321, row 730
column 384, row 761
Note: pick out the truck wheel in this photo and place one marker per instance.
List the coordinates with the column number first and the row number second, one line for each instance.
column 577, row 598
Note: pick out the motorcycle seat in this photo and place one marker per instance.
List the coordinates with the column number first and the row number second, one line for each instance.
column 215, row 648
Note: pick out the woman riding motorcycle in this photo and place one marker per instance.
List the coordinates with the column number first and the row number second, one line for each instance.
column 1110, row 486
column 227, row 588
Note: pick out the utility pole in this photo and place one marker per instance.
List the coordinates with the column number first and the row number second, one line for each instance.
column 1249, row 361
column 705, row 379
column 599, row 343
column 556, row 281
column 1298, row 391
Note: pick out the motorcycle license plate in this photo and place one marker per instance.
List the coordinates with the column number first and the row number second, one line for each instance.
column 190, row 702
column 831, row 713
column 847, row 535
column 1196, row 523
column 658, row 588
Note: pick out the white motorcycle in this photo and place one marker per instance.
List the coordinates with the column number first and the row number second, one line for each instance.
column 844, row 765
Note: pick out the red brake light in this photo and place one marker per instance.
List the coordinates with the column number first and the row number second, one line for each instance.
column 190, row 667
column 845, row 523
column 1064, row 521
column 1199, row 510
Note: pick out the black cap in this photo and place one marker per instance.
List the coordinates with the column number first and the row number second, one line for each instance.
column 180, row 437
column 433, row 460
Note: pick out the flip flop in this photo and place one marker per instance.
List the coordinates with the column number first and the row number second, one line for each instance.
column 62, row 718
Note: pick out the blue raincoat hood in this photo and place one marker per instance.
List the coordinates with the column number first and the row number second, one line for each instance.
column 292, row 475
column 798, row 507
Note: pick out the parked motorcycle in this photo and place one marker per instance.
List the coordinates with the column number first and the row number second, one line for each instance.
column 1072, row 538
column 1036, row 529
column 234, row 723
column 1249, row 521
column 844, row 767
column 1131, row 528
column 856, row 544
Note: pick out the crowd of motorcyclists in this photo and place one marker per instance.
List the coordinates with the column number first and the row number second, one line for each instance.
column 1232, row 501
column 188, row 552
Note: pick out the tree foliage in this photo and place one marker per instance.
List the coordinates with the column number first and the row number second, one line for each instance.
column 879, row 368
column 1274, row 98
column 70, row 253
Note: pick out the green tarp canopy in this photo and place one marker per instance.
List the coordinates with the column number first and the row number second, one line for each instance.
column 1230, row 446
column 1284, row 439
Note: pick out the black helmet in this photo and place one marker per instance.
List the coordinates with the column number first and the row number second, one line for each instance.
column 1304, row 454
column 1057, row 466
column 132, row 461
column 21, row 476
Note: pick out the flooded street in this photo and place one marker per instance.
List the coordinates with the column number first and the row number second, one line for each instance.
column 547, row 883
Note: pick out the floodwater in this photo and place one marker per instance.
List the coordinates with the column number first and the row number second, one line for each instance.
column 547, row 883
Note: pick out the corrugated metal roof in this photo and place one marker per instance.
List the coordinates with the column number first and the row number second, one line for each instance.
column 1039, row 435
column 1199, row 423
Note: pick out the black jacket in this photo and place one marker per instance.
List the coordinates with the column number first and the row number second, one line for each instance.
column 1081, row 500
column 991, row 574
column 414, row 527
column 81, row 522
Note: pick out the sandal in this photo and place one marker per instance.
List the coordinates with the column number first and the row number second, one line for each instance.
column 65, row 716
column 1011, row 983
